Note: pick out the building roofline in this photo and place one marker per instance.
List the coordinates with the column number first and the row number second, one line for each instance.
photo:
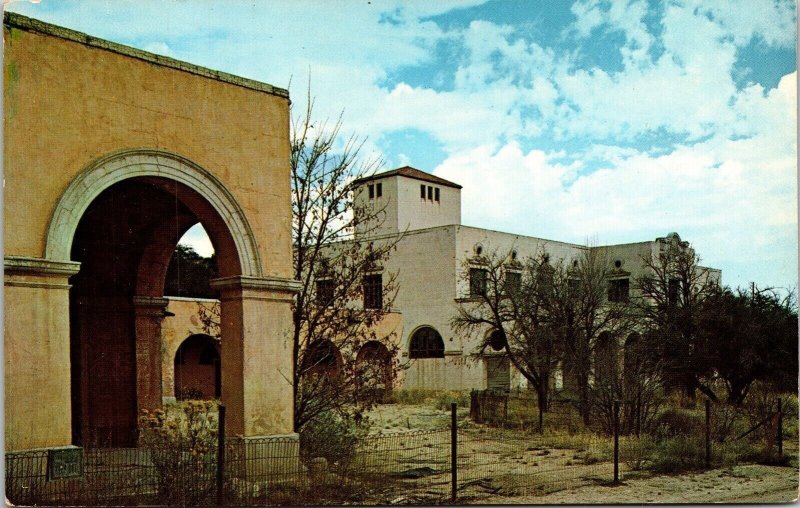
column 576, row 245
column 11, row 19
column 409, row 172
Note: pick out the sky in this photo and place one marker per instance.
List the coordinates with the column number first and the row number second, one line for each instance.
column 588, row 122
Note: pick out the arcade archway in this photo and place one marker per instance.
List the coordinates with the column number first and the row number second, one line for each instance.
column 124, row 240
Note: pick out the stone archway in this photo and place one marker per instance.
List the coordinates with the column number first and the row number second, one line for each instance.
column 133, row 163
column 139, row 204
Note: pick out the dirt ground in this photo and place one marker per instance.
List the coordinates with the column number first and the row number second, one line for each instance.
column 739, row 484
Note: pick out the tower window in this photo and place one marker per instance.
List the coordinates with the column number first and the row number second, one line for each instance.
column 422, row 191
column 379, row 189
column 430, row 193
column 371, row 191
column 436, row 194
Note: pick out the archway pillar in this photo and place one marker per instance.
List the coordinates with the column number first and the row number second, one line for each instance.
column 256, row 354
column 37, row 352
column 149, row 312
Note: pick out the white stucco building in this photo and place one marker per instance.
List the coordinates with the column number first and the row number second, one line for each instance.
column 430, row 261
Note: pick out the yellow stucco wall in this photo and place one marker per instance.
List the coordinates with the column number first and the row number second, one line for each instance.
column 68, row 104
column 70, row 100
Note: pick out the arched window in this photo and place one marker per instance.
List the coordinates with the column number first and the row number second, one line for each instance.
column 322, row 357
column 197, row 371
column 426, row 343
column 632, row 359
column 606, row 359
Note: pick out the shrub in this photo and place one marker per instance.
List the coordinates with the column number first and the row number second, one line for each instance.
column 637, row 453
column 678, row 454
column 332, row 436
column 442, row 400
column 182, row 439
column 412, row 396
column 675, row 422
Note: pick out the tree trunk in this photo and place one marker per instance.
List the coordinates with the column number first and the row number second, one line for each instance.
column 541, row 396
column 583, row 396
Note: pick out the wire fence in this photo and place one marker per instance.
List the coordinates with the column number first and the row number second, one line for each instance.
column 464, row 463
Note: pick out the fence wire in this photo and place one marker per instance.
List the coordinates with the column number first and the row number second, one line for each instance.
column 412, row 467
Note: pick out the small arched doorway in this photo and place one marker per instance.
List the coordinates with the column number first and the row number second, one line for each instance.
column 322, row 358
column 605, row 362
column 197, row 368
column 374, row 371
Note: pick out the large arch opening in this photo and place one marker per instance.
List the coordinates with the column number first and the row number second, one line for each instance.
column 124, row 240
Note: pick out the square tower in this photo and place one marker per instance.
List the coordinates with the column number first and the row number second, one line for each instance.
column 407, row 199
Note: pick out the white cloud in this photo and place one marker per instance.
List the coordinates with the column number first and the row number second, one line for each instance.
column 731, row 187
column 735, row 199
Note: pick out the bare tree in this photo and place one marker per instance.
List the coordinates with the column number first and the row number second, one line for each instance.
column 578, row 311
column 344, row 291
column 504, row 303
column 673, row 291
column 556, row 312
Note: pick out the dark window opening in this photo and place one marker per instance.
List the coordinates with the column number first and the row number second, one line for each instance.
column 379, row 189
column 618, row 290
column 422, row 191
column 513, row 283
column 325, row 292
column 373, row 292
column 430, row 193
column 371, row 191
column 477, row 282
column 673, row 291
column 574, row 285
column 497, row 340
column 426, row 343
column 436, row 194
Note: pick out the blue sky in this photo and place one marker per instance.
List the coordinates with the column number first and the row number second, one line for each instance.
column 601, row 121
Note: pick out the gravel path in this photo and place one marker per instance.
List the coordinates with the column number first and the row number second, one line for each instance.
column 740, row 484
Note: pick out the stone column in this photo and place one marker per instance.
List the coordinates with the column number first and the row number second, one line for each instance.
column 256, row 354
column 149, row 312
column 38, row 412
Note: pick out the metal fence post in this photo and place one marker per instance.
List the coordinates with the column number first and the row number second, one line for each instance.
column 780, row 428
column 453, row 452
column 616, row 441
column 221, row 456
column 708, row 432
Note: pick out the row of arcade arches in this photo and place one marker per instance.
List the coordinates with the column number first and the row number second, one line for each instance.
column 373, row 361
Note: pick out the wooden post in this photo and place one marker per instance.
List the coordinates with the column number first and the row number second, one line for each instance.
column 708, row 432
column 616, row 441
column 221, row 456
column 780, row 428
column 453, row 452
